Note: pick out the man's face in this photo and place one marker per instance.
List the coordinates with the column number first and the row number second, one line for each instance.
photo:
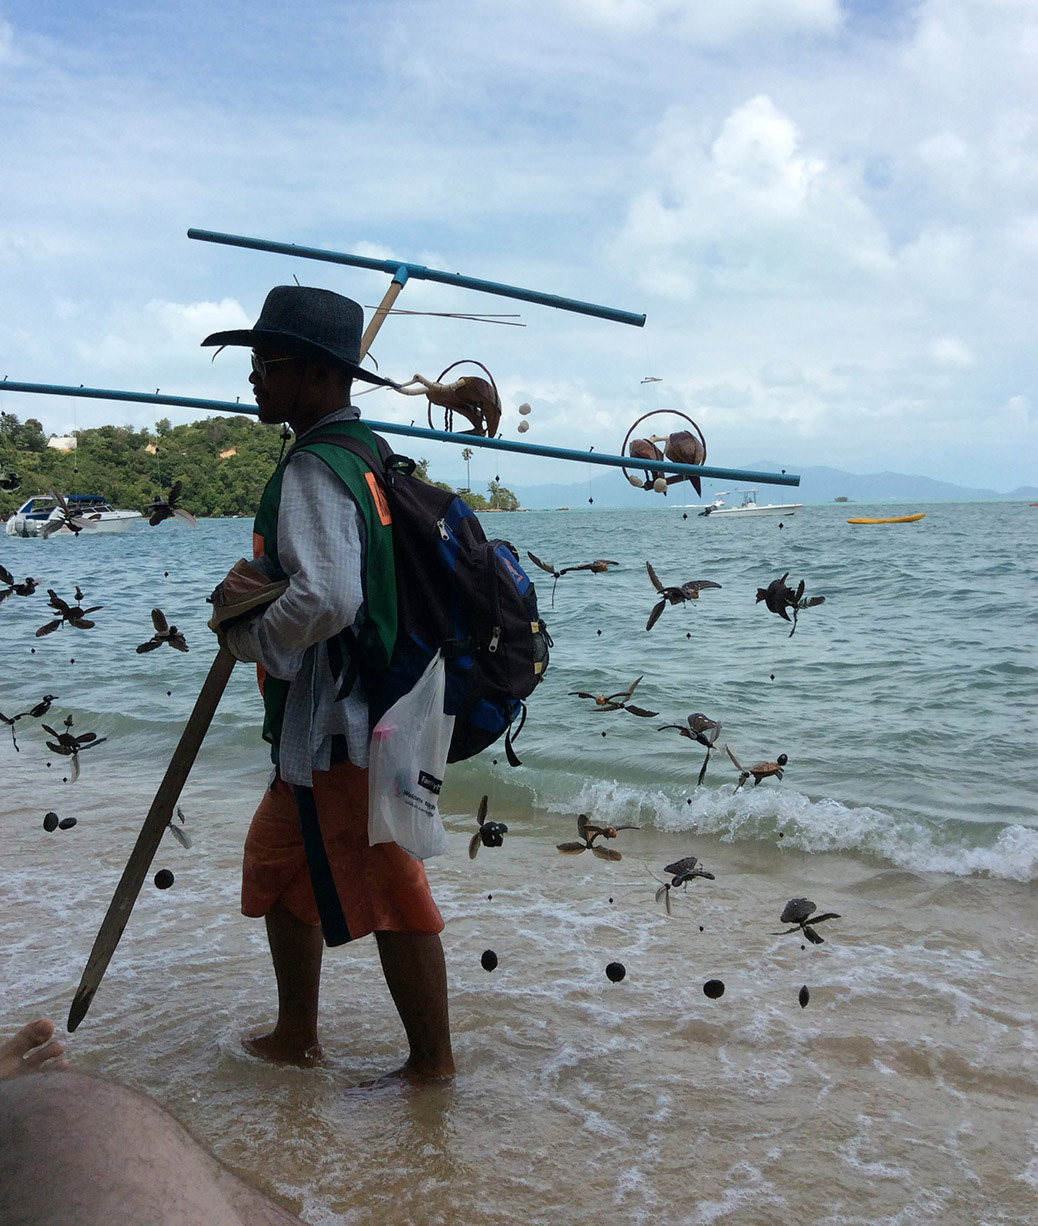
column 277, row 389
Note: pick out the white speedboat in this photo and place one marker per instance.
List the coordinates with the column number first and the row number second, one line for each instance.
column 748, row 506
column 93, row 512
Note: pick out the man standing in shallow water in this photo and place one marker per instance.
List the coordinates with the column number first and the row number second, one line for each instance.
column 324, row 527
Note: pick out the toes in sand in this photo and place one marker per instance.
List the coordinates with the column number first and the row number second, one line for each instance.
column 31, row 1048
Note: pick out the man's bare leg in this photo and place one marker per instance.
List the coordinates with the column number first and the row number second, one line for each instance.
column 75, row 1149
column 30, row 1048
column 416, row 974
column 296, row 950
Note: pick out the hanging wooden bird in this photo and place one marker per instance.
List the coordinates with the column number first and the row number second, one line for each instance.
column 800, row 913
column 674, row 595
column 67, row 519
column 701, row 729
column 598, row 567
column 14, row 588
column 474, row 398
column 164, row 633
column 682, row 872
column 489, row 834
column 779, row 598
column 72, row 615
column 68, row 744
column 588, row 833
column 169, row 508
column 619, row 701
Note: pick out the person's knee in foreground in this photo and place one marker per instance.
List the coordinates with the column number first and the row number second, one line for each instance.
column 324, row 527
column 74, row 1149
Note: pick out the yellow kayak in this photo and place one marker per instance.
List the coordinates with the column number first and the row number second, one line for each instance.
column 894, row 519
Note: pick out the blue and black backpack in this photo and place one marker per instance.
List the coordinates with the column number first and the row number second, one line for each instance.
column 456, row 592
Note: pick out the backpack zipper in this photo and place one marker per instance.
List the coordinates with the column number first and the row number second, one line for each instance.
column 495, row 605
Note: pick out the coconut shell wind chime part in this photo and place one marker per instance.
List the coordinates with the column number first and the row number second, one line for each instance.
column 681, row 446
column 474, row 398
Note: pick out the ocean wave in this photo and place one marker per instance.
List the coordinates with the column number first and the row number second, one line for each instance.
column 769, row 815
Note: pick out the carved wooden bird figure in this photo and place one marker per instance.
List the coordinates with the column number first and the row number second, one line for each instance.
column 164, row 633
column 14, row 588
column 67, row 519
column 800, row 913
column 779, row 598
column 10, row 721
column 180, row 833
column 759, row 771
column 674, row 595
column 682, row 872
column 588, row 833
column 701, row 729
column 597, row 567
column 489, row 834
column 475, row 398
column 169, row 508
column 68, row 744
column 615, row 702
column 74, row 615
column 42, row 707
column 646, row 449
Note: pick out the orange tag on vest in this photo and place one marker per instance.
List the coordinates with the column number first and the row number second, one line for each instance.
column 379, row 499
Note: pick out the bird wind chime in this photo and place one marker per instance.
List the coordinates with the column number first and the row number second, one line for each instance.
column 681, row 446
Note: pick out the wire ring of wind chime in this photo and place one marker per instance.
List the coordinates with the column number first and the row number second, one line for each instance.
column 680, row 445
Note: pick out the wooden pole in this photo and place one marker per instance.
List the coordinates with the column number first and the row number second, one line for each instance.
column 159, row 817
column 382, row 310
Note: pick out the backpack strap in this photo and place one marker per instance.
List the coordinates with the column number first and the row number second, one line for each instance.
column 510, row 736
column 384, row 465
column 380, row 466
column 329, row 909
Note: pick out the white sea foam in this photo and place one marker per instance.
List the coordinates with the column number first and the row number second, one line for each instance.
column 755, row 814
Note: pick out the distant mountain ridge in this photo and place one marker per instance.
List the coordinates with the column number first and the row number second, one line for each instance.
column 817, row 485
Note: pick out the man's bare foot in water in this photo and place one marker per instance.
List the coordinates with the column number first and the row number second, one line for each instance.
column 412, row 1074
column 278, row 1050
column 30, row 1048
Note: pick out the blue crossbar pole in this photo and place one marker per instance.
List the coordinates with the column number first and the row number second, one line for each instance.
column 440, row 436
column 394, row 267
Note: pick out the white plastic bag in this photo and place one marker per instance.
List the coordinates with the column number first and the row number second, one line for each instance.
column 406, row 764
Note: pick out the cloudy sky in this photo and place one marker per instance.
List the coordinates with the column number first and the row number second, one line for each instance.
column 826, row 208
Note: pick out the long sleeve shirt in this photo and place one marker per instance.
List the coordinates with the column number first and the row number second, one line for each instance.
column 321, row 542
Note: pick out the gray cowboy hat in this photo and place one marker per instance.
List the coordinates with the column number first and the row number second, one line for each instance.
column 311, row 322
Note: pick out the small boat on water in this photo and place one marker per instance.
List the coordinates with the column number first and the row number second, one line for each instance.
column 892, row 519
column 96, row 513
column 748, row 506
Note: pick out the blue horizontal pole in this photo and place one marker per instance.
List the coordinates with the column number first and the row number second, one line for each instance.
column 394, row 268
column 440, row 436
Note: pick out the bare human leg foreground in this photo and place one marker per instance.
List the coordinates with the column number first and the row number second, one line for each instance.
column 75, row 1149
column 416, row 975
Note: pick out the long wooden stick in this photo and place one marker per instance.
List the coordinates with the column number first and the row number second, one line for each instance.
column 159, row 816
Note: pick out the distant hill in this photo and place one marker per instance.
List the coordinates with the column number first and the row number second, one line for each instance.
column 817, row 485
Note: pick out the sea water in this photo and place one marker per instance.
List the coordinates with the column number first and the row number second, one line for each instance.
column 905, row 1091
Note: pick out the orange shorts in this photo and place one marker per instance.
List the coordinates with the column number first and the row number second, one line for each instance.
column 381, row 888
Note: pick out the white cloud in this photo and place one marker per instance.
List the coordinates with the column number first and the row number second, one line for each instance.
column 711, row 24
column 950, row 351
column 748, row 206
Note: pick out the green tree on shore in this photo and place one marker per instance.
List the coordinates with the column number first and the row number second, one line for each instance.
column 224, row 463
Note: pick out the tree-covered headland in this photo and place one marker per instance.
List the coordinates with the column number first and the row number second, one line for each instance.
column 224, row 463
